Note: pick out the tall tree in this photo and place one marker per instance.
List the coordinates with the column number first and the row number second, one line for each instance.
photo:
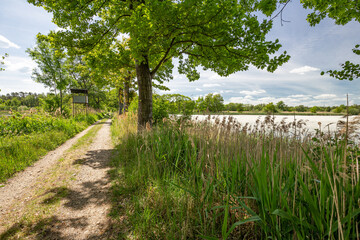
column 222, row 35
column 51, row 69
column 342, row 11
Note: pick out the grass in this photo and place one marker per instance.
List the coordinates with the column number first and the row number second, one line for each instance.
column 186, row 180
column 25, row 138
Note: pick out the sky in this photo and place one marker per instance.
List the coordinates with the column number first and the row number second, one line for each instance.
column 312, row 50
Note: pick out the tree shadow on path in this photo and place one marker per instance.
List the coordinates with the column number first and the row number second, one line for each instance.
column 90, row 192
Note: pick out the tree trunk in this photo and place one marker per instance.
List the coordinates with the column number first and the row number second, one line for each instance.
column 61, row 101
column 120, row 102
column 126, row 93
column 145, row 94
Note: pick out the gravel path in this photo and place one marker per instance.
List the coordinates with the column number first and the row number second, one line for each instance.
column 83, row 212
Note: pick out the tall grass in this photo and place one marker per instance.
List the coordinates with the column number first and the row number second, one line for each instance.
column 25, row 138
column 196, row 180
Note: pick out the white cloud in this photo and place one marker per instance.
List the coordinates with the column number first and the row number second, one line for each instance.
column 198, row 89
column 255, row 92
column 6, row 43
column 325, row 96
column 209, row 85
column 19, row 64
column 171, row 91
column 304, row 69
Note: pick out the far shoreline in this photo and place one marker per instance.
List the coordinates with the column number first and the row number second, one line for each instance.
column 275, row 114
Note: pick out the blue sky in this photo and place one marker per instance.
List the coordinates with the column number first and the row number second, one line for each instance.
column 312, row 49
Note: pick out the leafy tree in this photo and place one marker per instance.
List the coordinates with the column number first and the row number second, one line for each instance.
column 338, row 109
column 342, row 11
column 225, row 36
column 211, row 103
column 350, row 71
column 178, row 102
column 300, row 108
column 314, row 109
column 270, row 108
column 51, row 69
column 281, row 106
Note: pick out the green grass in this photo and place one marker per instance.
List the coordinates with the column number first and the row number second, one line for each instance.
column 186, row 180
column 24, row 139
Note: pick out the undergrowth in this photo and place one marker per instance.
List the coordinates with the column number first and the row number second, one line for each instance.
column 197, row 180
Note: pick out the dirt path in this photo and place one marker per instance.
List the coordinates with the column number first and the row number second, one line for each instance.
column 84, row 204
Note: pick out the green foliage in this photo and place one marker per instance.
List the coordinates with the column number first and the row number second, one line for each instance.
column 314, row 109
column 2, row 63
column 338, row 110
column 300, row 108
column 350, row 71
column 342, row 11
column 160, row 109
column 39, row 123
column 281, row 106
column 211, row 103
column 224, row 36
column 25, row 138
column 270, row 108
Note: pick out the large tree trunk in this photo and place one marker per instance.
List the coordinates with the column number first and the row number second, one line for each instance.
column 126, row 93
column 145, row 94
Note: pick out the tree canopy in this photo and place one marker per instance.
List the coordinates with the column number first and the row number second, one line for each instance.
column 224, row 36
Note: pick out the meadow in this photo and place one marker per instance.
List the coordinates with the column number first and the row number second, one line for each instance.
column 24, row 138
column 217, row 179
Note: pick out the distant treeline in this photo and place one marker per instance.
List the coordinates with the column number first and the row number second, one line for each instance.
column 50, row 102
column 282, row 107
column 163, row 104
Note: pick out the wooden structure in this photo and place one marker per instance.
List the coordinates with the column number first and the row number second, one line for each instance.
column 81, row 97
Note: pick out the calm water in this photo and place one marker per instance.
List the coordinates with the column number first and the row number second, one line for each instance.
column 311, row 121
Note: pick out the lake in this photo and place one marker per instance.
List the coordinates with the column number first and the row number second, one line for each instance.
column 327, row 122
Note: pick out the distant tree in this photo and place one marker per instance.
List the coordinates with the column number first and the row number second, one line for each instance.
column 314, row 109
column 281, row 106
column 51, row 70
column 259, row 107
column 240, row 107
column 270, row 108
column 300, row 108
column 338, row 109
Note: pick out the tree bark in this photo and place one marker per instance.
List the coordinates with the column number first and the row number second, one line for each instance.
column 145, row 94
column 61, row 101
column 120, row 102
column 126, row 93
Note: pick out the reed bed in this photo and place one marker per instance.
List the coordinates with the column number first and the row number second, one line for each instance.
column 223, row 180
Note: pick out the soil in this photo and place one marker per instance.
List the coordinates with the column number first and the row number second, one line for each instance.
column 83, row 211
